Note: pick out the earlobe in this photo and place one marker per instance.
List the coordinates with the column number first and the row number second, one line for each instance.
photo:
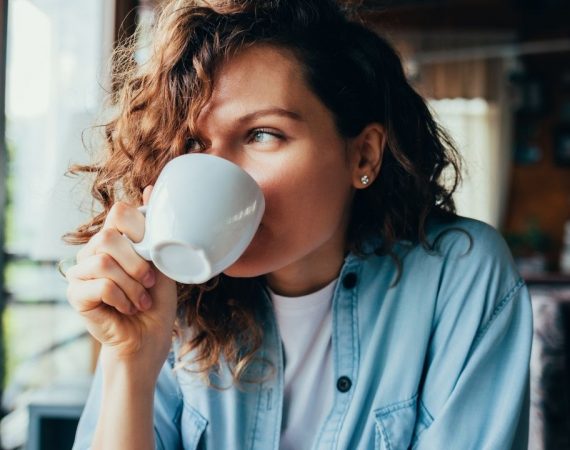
column 368, row 151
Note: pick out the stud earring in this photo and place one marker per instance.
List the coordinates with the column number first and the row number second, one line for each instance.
column 364, row 180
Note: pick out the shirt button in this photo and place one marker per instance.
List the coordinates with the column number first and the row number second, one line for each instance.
column 349, row 280
column 343, row 384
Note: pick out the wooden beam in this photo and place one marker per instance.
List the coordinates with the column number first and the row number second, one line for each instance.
column 440, row 17
column 526, row 18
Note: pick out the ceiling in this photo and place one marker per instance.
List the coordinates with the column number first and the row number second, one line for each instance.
column 525, row 17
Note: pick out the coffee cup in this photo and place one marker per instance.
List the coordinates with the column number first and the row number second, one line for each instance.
column 202, row 214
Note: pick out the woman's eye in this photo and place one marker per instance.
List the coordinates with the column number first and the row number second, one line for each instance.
column 264, row 136
column 194, row 145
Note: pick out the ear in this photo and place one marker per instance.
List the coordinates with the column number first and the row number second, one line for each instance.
column 367, row 150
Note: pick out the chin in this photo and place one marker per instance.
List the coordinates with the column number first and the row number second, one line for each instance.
column 249, row 265
column 242, row 272
column 253, row 262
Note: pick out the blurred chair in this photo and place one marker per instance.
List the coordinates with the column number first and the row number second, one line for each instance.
column 550, row 368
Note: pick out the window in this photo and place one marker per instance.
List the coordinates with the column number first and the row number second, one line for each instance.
column 479, row 129
column 57, row 54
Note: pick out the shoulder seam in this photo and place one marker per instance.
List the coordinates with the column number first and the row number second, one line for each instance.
column 498, row 309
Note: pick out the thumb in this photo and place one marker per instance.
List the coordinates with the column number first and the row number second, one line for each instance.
column 146, row 193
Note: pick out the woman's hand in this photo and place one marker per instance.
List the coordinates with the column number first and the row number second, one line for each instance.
column 128, row 305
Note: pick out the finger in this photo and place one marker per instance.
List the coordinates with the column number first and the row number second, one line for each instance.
column 146, row 193
column 85, row 296
column 112, row 243
column 102, row 265
column 127, row 219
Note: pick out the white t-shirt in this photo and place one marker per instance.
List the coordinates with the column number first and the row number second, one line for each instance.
column 305, row 324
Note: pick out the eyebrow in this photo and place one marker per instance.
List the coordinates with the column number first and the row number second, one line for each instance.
column 272, row 112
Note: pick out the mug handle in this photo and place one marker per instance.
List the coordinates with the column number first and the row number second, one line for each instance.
column 142, row 247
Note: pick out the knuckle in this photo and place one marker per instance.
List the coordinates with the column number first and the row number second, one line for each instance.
column 108, row 289
column 106, row 236
column 119, row 210
column 141, row 271
column 105, row 262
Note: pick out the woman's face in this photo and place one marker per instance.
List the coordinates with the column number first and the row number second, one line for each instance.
column 263, row 117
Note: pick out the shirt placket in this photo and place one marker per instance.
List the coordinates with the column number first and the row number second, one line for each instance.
column 345, row 349
column 266, row 430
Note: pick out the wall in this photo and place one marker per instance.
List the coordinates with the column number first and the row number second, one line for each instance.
column 542, row 189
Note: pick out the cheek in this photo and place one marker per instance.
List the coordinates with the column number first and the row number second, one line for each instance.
column 306, row 201
column 300, row 193
column 276, row 193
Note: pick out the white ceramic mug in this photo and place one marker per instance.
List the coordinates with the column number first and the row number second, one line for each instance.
column 201, row 216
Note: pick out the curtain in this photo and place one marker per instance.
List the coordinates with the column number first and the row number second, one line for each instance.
column 479, row 128
column 469, row 95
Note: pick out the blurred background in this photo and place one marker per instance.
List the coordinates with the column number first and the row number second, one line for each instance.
column 496, row 75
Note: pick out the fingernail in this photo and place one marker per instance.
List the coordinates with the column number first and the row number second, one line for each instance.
column 145, row 302
column 149, row 279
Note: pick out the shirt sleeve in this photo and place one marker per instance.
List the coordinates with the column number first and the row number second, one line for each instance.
column 167, row 410
column 475, row 392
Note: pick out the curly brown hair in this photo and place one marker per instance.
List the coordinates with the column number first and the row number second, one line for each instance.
column 355, row 73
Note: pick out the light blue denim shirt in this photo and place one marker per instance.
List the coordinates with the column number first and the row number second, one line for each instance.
column 438, row 361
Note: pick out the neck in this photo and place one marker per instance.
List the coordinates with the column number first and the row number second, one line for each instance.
column 301, row 278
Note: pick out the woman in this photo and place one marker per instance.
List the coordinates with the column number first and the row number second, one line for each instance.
column 364, row 314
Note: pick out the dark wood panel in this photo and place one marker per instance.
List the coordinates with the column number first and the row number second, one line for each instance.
column 521, row 15
column 125, row 18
